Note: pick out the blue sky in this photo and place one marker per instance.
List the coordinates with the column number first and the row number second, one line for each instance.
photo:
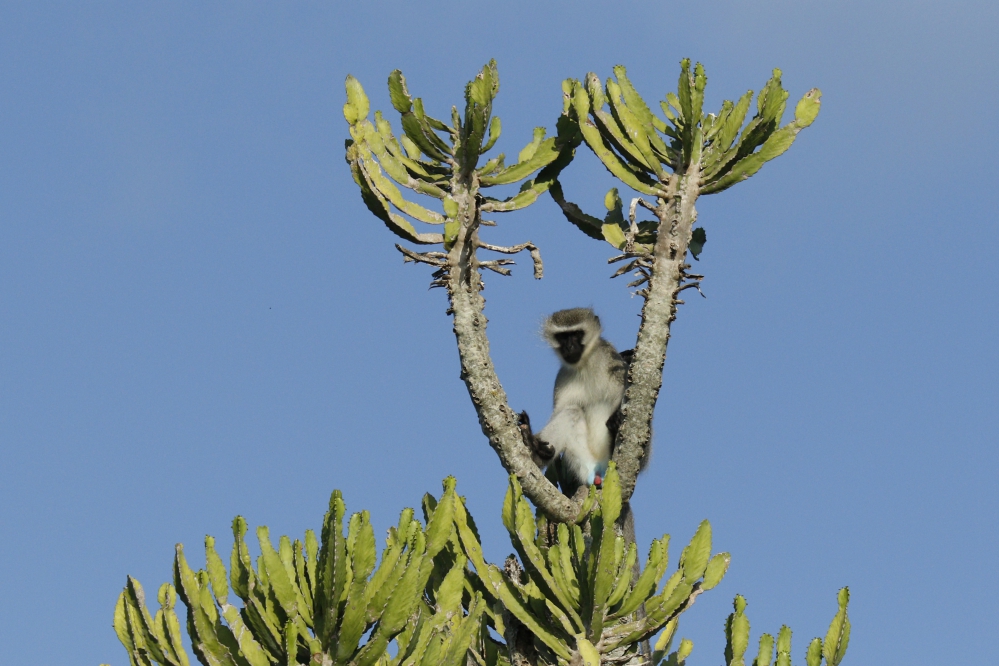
column 199, row 318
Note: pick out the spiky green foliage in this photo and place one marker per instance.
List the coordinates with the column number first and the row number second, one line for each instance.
column 324, row 602
column 831, row 650
column 648, row 152
column 577, row 593
column 439, row 159
column 321, row 602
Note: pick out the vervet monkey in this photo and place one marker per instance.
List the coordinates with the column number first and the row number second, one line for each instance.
column 579, row 437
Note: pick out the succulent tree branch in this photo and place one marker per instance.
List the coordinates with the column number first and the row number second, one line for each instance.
column 498, row 421
column 676, row 215
column 441, row 161
column 675, row 160
column 539, row 267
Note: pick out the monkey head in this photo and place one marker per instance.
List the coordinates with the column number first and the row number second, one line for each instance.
column 572, row 333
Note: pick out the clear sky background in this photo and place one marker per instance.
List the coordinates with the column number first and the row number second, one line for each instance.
column 199, row 318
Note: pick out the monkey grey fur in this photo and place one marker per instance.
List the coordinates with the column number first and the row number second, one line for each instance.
column 589, row 387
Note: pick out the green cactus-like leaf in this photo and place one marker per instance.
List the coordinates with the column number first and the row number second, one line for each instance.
column 588, row 653
column 665, row 641
column 382, row 144
column 249, row 648
column 511, row 601
column 478, row 107
column 624, row 576
column 648, row 580
column 216, row 571
column 398, row 94
column 686, row 647
column 291, row 643
column 311, row 560
column 694, row 559
column 302, row 582
column 650, row 122
column 807, row 109
column 400, row 606
column 589, row 225
column 201, row 626
column 605, row 575
column 561, row 568
column 241, row 575
column 412, row 151
column 610, row 125
column 529, row 193
column 631, row 96
column 441, row 523
column 449, row 592
column 777, row 143
column 737, row 634
column 431, row 126
column 715, row 571
column 357, row 105
column 613, row 234
column 462, row 638
column 495, row 128
column 494, row 165
column 838, row 636
column 784, row 646
column 766, row 652
column 169, row 625
column 772, row 99
column 608, row 158
column 727, row 129
column 387, row 576
column 472, row 548
column 545, row 153
column 387, row 190
column 633, row 128
column 361, row 546
column 419, row 132
column 121, row 628
column 264, row 625
column 378, row 205
column 684, row 90
column 141, row 627
column 277, row 576
column 610, row 498
column 814, row 655
column 530, row 149
column 533, row 558
column 671, row 109
column 331, row 572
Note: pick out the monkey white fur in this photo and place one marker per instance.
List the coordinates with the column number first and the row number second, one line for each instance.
column 588, row 392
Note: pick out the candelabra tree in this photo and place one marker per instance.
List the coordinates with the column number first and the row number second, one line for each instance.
column 577, row 595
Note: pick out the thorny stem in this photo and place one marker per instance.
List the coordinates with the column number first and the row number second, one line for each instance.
column 498, row 421
column 676, row 216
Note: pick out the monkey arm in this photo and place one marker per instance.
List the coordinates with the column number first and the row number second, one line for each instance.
column 614, row 424
column 566, row 430
column 541, row 451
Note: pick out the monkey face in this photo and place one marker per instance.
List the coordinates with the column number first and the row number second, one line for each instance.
column 570, row 346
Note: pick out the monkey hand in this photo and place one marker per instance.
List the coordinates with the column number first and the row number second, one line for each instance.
column 614, row 424
column 541, row 451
